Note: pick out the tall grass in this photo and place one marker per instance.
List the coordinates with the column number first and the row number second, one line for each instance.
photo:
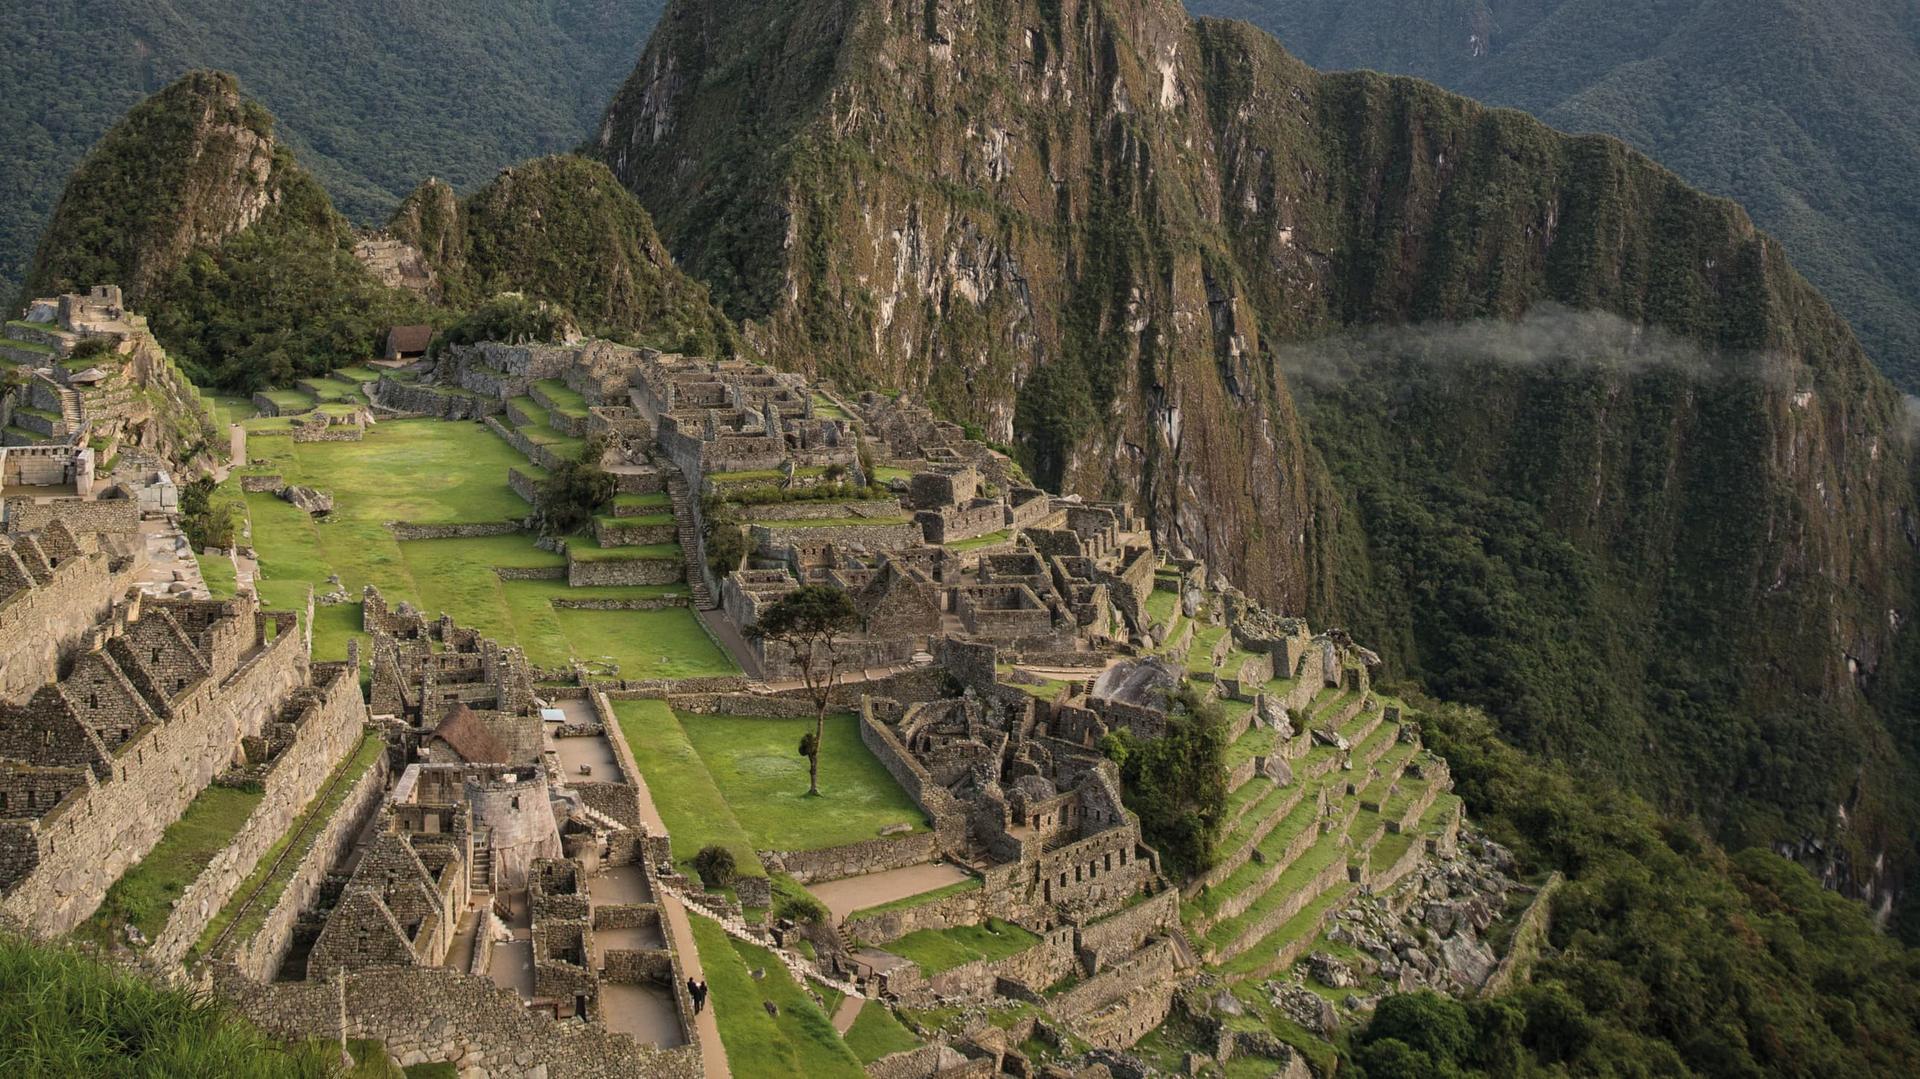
column 63, row 1014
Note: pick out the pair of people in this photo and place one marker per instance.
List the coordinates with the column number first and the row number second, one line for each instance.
column 698, row 991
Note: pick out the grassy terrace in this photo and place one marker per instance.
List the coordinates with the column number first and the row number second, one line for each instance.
column 630, row 502
column 586, row 549
column 1301, row 817
column 1200, row 656
column 145, row 894
column 992, row 539
column 454, row 473
column 1308, row 866
column 800, row 1042
column 691, row 804
column 218, row 572
column 936, row 950
column 755, row 763
column 333, row 389
column 261, row 890
column 612, row 521
column 566, row 400
column 289, row 400
column 877, row 1032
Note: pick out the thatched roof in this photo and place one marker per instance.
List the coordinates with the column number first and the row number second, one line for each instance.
column 463, row 732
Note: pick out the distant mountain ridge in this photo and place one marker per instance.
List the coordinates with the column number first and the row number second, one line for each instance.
column 1807, row 113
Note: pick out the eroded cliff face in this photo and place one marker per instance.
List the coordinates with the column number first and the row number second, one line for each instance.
column 1101, row 231
column 186, row 169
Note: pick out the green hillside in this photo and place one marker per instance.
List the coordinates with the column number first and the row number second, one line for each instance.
column 1806, row 113
column 374, row 97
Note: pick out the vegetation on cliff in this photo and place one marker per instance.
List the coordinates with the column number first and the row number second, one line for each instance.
column 375, row 96
column 562, row 229
column 1666, row 955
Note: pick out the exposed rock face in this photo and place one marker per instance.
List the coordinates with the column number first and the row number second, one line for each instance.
column 1095, row 228
column 207, row 168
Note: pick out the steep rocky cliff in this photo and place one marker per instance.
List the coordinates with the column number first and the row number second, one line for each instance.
column 564, row 230
column 1135, row 246
column 189, row 167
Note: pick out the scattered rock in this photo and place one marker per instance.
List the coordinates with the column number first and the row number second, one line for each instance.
column 898, row 828
column 1329, row 971
column 772, row 1008
column 307, row 499
column 1226, row 1003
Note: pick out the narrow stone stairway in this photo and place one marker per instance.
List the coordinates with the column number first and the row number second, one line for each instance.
column 690, row 544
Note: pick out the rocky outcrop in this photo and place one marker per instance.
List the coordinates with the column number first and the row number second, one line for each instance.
column 1098, row 230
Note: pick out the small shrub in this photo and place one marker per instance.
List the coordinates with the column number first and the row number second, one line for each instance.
column 716, row 866
column 802, row 908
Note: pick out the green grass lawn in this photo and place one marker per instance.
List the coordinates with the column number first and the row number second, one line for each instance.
column 991, row 539
column 887, row 474
column 757, row 766
column 801, row 1041
column 453, row 473
column 217, row 570
column 695, row 812
column 659, row 500
column 877, row 1032
column 271, row 880
column 143, row 895
column 586, row 549
column 943, row 949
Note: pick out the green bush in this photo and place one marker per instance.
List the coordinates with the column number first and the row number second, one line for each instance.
column 572, row 494
column 716, row 866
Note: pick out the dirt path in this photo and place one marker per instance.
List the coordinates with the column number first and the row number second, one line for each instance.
column 849, row 894
column 847, row 1012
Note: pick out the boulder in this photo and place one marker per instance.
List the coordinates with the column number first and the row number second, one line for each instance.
column 307, row 499
column 1329, row 971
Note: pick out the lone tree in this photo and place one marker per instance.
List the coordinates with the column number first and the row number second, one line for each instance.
column 812, row 621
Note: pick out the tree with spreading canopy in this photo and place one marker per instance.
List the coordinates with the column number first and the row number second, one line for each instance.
column 812, row 621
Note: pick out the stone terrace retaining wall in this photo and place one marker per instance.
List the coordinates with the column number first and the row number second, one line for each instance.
column 427, row 1015
column 259, row 957
column 403, row 531
column 853, row 859
column 326, row 736
column 523, row 485
column 624, row 572
column 432, row 401
column 962, row 908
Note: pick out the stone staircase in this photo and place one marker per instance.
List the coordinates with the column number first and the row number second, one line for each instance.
column 71, row 410
column 480, row 873
column 690, row 541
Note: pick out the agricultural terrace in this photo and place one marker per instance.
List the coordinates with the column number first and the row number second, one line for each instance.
column 431, row 472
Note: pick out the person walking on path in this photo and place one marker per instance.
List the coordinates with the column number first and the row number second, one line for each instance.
column 698, row 991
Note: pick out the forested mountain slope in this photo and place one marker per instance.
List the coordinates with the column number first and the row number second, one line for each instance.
column 375, row 96
column 1126, row 241
column 1807, row 113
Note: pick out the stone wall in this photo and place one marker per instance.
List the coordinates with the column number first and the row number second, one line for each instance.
column 94, row 838
column 854, row 859
column 524, row 485
column 632, row 532
column 822, row 510
column 404, row 531
column 432, row 401
column 329, row 730
column 432, row 1015
column 117, row 516
column 1528, row 934
column 259, row 957
column 623, row 572
column 37, row 623
column 776, row 535
column 941, row 807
